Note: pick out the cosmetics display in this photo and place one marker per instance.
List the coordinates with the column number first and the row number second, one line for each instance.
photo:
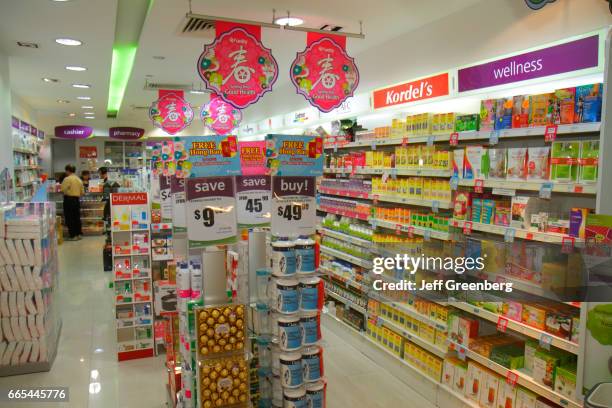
column 26, row 141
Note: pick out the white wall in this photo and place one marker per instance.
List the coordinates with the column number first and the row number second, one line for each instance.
column 6, row 139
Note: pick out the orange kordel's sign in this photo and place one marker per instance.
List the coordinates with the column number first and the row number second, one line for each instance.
column 425, row 88
column 128, row 198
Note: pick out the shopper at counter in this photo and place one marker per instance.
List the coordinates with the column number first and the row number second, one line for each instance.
column 85, row 176
column 72, row 187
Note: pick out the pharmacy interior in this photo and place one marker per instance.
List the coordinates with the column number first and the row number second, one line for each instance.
column 275, row 182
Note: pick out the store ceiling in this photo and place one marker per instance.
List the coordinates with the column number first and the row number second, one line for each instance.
column 93, row 22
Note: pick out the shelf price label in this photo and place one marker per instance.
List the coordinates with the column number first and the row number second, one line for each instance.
column 502, row 324
column 404, row 141
column 411, row 232
column 546, row 190
column 545, row 341
column 373, row 222
column 211, row 211
column 550, row 134
column 461, row 352
column 494, row 137
column 467, row 228
column 454, row 139
column 454, row 182
column 427, row 234
column 398, row 229
column 478, row 186
column 511, row 378
column 165, row 196
column 435, row 206
column 253, row 201
column 430, row 140
column 567, row 245
column 394, row 173
column 509, row 234
column 293, row 205
column 179, row 216
column 373, row 145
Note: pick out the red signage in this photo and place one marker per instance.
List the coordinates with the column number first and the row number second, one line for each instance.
column 88, row 152
column 425, row 88
column 237, row 66
column 324, row 73
column 128, row 198
column 171, row 112
column 220, row 116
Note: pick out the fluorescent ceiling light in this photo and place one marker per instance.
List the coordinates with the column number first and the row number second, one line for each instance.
column 75, row 68
column 63, row 101
column 84, row 98
column 121, row 69
column 83, row 86
column 289, row 21
column 86, row 107
column 48, row 80
column 72, row 115
column 88, row 113
column 90, row 117
column 196, row 92
column 68, row 41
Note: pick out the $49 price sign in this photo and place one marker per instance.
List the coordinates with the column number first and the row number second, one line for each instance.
column 293, row 205
column 211, row 211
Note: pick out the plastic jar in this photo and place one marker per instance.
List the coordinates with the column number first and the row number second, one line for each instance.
column 295, row 398
column 291, row 370
column 262, row 277
column 310, row 293
column 312, row 363
column 282, row 260
column 310, row 323
column 305, row 255
column 289, row 333
column 315, row 393
column 265, row 354
column 287, row 296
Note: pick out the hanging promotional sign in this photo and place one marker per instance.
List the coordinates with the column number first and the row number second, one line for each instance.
column 211, row 211
column 24, row 126
column 290, row 155
column 125, row 133
column 177, row 191
column 219, row 116
column 73, row 132
column 424, row 88
column 559, row 59
column 171, row 112
column 236, row 65
column 88, row 152
column 33, row 131
column 253, row 200
column 169, row 158
column 253, row 158
column 165, row 198
column 211, row 156
column 324, row 73
column 14, row 122
column 294, row 209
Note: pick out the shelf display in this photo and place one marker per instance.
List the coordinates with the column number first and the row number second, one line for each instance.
column 26, row 140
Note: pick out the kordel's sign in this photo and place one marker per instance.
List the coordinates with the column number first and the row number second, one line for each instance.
column 424, row 88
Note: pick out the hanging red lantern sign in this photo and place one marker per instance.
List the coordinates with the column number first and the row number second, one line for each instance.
column 237, row 66
column 171, row 112
column 220, row 116
column 324, row 73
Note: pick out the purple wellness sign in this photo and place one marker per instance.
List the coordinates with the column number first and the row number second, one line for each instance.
column 125, row 133
column 558, row 59
column 73, row 132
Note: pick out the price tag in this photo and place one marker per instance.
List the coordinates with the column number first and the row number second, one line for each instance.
column 165, row 195
column 385, row 177
column 478, row 186
column 546, row 190
column 211, row 211
column 578, row 188
column 461, row 352
column 512, row 378
column 454, row 183
column 373, row 222
column 427, row 234
column 502, row 324
column 404, row 141
column 394, row 173
column 504, row 191
column 550, row 134
column 494, row 137
column 373, row 145
column 398, row 229
column 545, row 341
column 293, row 205
column 411, row 232
column 375, row 198
column 435, row 206
column 509, row 235
column 430, row 140
column 253, row 200
column 529, row 236
column 567, row 245
column 179, row 215
column 454, row 139
column 467, row 228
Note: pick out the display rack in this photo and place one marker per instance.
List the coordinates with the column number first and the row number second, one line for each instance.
column 131, row 248
column 92, row 211
column 26, row 142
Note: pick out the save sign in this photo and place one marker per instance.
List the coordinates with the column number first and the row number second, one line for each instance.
column 253, row 200
column 211, row 211
column 293, row 205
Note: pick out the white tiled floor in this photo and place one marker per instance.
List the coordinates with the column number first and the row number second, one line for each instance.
column 87, row 360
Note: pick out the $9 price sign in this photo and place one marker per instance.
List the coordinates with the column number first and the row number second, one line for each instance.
column 293, row 206
column 211, row 211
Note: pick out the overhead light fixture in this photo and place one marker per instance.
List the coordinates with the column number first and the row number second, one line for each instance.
column 121, row 69
column 72, row 115
column 84, row 98
column 82, row 86
column 289, row 21
column 197, row 92
column 86, row 107
column 60, row 1
column 88, row 113
column 89, row 117
column 68, row 41
column 51, row 80
column 27, row 44
column 159, row 57
column 75, row 68
column 63, row 101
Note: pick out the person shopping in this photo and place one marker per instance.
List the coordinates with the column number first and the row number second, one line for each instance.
column 72, row 187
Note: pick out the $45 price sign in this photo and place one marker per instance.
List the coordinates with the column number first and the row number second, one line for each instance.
column 253, row 195
column 211, row 211
column 293, row 205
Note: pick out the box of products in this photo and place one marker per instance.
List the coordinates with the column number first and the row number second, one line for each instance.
column 519, row 212
column 472, row 164
column 564, row 161
column 575, row 336
column 465, row 123
column 503, row 113
column 520, row 111
column 516, row 164
column 460, row 369
column 588, row 103
column 588, row 161
column 537, row 163
column 565, row 102
column 565, row 381
column 531, row 346
column 558, row 323
column 544, row 367
column 461, row 205
column 496, row 164
column 513, row 310
column 487, row 114
column 540, row 109
column 510, row 356
column 525, row 398
column 534, row 315
column 490, row 388
column 458, row 159
column 467, row 329
column 503, row 213
column 475, row 376
column 506, row 395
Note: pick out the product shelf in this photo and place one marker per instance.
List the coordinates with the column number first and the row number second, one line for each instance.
column 523, row 379
column 347, row 302
column 411, row 201
column 518, row 327
column 346, row 237
column 350, row 214
column 549, row 237
column 391, row 171
column 344, row 193
column 432, row 348
column 557, row 186
column 24, row 151
column 410, row 311
column 344, row 279
column 349, row 258
column 444, row 236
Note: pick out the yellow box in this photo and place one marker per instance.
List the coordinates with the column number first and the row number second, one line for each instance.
column 427, row 333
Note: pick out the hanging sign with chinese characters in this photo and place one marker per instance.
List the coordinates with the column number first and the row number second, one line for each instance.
column 219, row 116
column 236, row 65
column 324, row 73
column 171, row 112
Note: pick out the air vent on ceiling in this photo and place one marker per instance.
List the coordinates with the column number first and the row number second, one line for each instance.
column 136, row 107
column 27, row 44
column 328, row 27
column 192, row 26
column 155, row 86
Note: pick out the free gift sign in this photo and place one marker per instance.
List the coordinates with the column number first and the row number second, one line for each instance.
column 424, row 88
column 559, row 59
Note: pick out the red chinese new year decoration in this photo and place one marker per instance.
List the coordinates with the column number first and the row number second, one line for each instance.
column 220, row 116
column 237, row 66
column 324, row 73
column 171, row 112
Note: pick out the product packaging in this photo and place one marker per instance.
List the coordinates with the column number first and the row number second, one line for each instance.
column 490, row 388
column 487, row 114
column 531, row 346
column 503, row 213
column 458, row 159
column 475, row 375
column 519, row 212
column 564, row 161
column 513, row 310
column 525, row 398
column 503, row 113
column 565, row 381
column 520, row 111
column 544, row 367
column 534, row 315
column 506, row 395
column 540, row 109
column 473, row 162
column 461, row 205
column 496, row 164
column 565, row 102
column 537, row 163
column 476, row 210
column 588, row 161
column 577, row 226
column 516, row 166
column 465, row 123
column 588, row 103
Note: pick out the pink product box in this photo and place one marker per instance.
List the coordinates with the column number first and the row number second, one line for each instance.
column 513, row 310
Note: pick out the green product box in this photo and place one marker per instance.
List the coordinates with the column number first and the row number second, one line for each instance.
column 469, row 122
column 510, row 356
column 565, row 381
column 531, row 346
column 545, row 365
column 564, row 161
column 588, row 162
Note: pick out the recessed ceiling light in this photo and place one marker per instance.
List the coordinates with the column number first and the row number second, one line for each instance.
column 196, row 92
column 289, row 21
column 72, row 115
column 89, row 117
column 68, row 41
column 88, row 113
column 27, row 44
column 63, row 101
column 75, row 68
column 83, row 86
column 84, row 98
column 87, row 107
column 159, row 57
column 54, row 80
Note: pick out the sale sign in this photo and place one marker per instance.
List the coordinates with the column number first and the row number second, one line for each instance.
column 324, row 73
column 253, row 157
column 165, row 198
column 290, row 155
column 425, row 88
column 253, row 200
column 177, row 191
column 211, row 211
column 237, row 66
column 211, row 156
column 171, row 112
column 293, row 205
column 220, row 117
